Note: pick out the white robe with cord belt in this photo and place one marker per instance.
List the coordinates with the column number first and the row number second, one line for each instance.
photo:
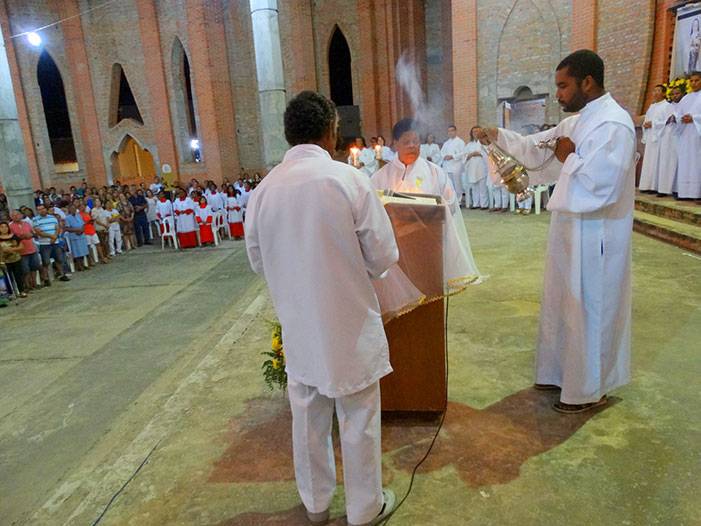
column 584, row 337
column 656, row 115
column 689, row 147
column 667, row 164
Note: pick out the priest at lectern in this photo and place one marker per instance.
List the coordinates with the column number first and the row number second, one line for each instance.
column 408, row 174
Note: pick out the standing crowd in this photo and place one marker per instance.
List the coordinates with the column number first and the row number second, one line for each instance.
column 672, row 137
column 77, row 229
column 466, row 164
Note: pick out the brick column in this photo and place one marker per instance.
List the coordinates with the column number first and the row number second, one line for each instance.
column 584, row 25
column 371, row 107
column 22, row 113
column 464, row 37
column 154, row 72
column 79, row 70
column 662, row 43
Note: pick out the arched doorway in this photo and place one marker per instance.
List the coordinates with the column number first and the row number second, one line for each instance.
column 132, row 164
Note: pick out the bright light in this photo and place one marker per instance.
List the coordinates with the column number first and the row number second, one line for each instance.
column 34, row 39
column 194, row 144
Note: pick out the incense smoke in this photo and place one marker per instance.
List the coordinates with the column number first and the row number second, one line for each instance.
column 407, row 74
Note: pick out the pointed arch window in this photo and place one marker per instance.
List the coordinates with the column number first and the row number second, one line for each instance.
column 340, row 71
column 58, row 122
column 122, row 101
column 185, row 105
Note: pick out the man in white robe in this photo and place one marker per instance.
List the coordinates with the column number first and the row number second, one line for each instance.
column 317, row 233
column 669, row 137
column 409, row 173
column 452, row 162
column 584, row 338
column 431, row 151
column 653, row 126
column 688, row 115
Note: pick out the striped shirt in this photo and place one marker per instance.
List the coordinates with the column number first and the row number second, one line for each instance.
column 47, row 224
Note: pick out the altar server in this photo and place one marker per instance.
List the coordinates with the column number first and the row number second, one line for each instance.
column 474, row 176
column 688, row 114
column 452, row 160
column 653, row 126
column 185, row 223
column 234, row 214
column 584, row 338
column 431, row 151
column 317, row 232
column 667, row 178
column 205, row 218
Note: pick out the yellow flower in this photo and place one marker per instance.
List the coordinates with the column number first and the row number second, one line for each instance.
column 277, row 343
column 276, row 363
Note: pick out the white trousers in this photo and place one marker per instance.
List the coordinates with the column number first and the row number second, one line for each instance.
column 476, row 194
column 457, row 185
column 315, row 468
column 115, row 239
column 498, row 197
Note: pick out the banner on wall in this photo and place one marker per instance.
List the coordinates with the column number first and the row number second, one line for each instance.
column 687, row 41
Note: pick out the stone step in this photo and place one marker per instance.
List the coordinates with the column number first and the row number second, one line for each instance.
column 687, row 212
column 683, row 235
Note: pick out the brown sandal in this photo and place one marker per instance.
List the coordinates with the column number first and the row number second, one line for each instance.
column 571, row 409
column 546, row 387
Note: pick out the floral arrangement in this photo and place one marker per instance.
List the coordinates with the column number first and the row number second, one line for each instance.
column 682, row 83
column 274, row 366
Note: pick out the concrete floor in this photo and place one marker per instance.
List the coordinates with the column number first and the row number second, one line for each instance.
column 156, row 382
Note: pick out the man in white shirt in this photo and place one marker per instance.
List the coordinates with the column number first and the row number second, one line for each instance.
column 317, row 233
column 584, row 339
column 452, row 161
column 156, row 186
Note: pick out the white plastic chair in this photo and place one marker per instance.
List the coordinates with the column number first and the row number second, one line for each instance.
column 539, row 190
column 538, row 193
column 167, row 226
column 69, row 255
column 220, row 222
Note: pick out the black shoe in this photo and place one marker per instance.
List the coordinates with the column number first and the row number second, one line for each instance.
column 47, row 283
column 64, row 278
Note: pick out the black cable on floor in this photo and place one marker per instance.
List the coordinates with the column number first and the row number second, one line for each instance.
column 114, row 497
column 438, row 429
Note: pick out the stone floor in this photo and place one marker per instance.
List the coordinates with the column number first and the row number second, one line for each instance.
column 143, row 404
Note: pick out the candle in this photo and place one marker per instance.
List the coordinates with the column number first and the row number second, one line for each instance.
column 354, row 155
column 378, row 152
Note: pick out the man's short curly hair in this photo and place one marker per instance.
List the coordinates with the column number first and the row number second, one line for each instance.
column 308, row 117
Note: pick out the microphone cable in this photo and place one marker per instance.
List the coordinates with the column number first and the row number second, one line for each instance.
column 438, row 429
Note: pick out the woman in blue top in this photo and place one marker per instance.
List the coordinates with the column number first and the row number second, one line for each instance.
column 76, row 236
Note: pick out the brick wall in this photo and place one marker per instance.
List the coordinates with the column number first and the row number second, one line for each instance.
column 519, row 44
column 624, row 40
column 661, row 48
column 584, row 24
column 470, row 53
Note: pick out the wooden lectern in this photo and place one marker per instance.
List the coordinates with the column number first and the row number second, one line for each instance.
column 417, row 339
